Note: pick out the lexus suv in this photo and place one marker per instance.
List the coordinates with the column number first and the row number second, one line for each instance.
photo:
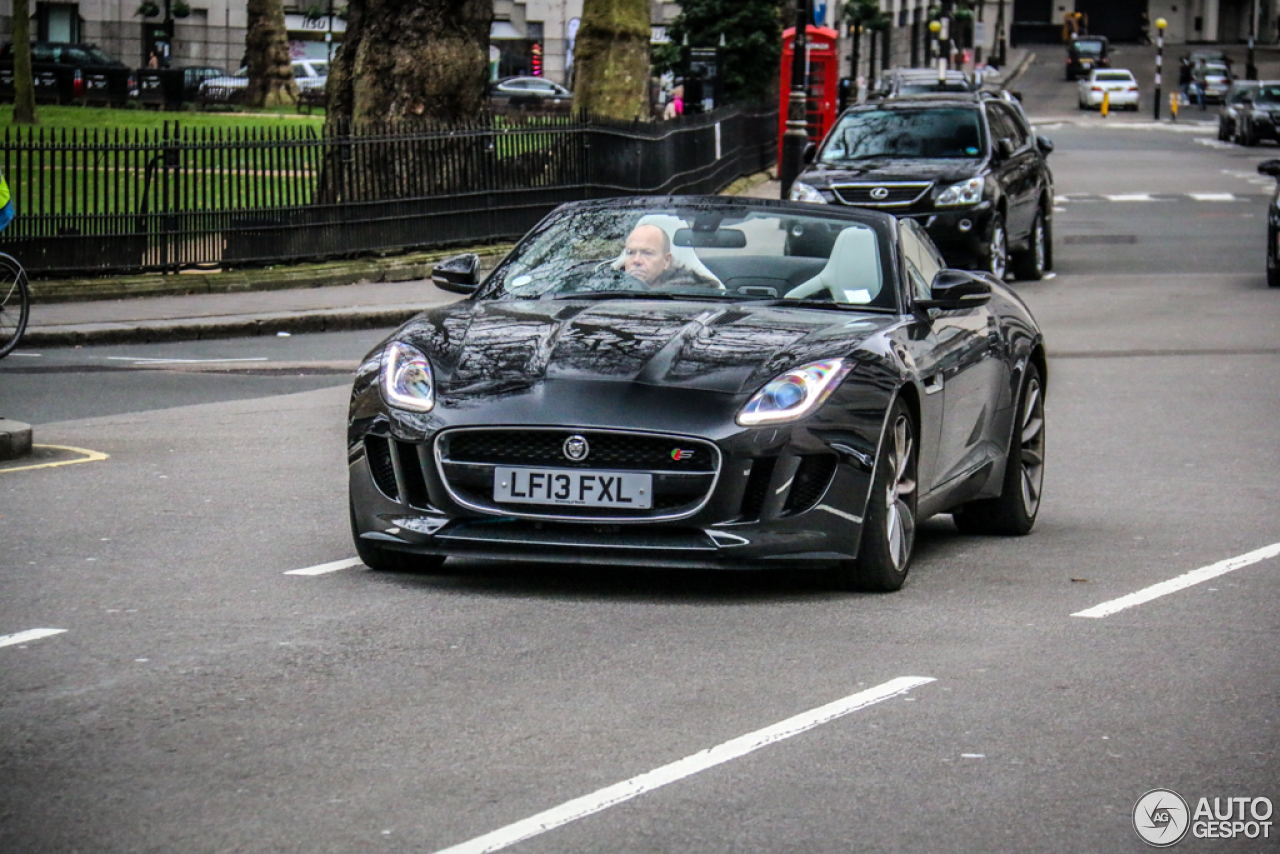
column 967, row 167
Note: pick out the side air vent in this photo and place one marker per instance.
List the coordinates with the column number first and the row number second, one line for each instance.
column 811, row 482
column 757, row 490
column 377, row 450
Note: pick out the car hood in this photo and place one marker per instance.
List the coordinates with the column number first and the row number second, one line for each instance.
column 490, row 347
column 941, row 171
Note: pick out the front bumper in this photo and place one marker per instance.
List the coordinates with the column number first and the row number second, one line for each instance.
column 960, row 235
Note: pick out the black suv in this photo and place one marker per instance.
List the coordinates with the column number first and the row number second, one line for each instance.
column 967, row 167
column 64, row 73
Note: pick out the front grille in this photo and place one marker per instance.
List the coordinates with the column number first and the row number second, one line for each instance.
column 872, row 195
column 684, row 470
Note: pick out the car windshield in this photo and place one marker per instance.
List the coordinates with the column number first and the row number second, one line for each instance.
column 1088, row 48
column 700, row 252
column 1267, row 95
column 936, row 133
column 917, row 87
column 1113, row 76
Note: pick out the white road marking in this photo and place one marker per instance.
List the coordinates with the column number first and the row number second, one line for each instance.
column 681, row 768
column 327, row 567
column 1129, row 197
column 1213, row 197
column 33, row 634
column 1173, row 585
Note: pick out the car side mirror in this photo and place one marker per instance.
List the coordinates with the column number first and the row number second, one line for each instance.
column 809, row 151
column 952, row 290
column 1269, row 167
column 459, row 274
column 1046, row 144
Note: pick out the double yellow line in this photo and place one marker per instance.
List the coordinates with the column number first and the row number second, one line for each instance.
column 87, row 457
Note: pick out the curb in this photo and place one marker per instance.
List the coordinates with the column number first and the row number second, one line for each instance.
column 1026, row 60
column 401, row 268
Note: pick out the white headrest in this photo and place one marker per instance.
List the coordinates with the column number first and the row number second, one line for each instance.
column 852, row 273
column 683, row 256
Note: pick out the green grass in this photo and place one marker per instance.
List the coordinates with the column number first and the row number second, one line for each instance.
column 101, row 118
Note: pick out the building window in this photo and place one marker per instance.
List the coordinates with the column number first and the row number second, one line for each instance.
column 57, row 22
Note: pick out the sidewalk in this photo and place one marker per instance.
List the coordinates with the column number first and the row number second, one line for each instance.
column 364, row 294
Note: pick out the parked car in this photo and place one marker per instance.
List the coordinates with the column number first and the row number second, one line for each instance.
column 68, row 72
column 1117, row 84
column 1272, row 168
column 1228, row 124
column 193, row 76
column 309, row 74
column 780, row 413
column 968, row 167
column 1210, row 82
column 530, row 93
column 1256, row 113
column 1085, row 53
column 898, row 82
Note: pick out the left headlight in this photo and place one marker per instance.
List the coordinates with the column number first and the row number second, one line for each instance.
column 964, row 193
column 795, row 394
column 801, row 192
column 407, row 381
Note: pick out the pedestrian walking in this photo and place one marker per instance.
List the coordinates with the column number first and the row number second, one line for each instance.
column 675, row 107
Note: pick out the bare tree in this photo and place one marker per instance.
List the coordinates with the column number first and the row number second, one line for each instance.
column 611, row 59
column 406, row 59
column 24, row 93
column 271, row 80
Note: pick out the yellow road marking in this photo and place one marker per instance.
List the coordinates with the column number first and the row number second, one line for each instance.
column 89, row 457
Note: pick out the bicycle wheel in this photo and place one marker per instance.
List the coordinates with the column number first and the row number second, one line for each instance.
column 15, row 303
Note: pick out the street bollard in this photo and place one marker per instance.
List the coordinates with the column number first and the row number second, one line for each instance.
column 1173, row 105
column 1106, row 104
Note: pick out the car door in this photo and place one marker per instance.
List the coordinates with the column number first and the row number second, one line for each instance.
column 960, row 365
column 1016, row 171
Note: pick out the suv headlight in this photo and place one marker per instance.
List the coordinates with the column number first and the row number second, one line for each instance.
column 965, row 193
column 407, row 381
column 804, row 193
column 795, row 394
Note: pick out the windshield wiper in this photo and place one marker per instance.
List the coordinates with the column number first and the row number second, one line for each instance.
column 603, row 295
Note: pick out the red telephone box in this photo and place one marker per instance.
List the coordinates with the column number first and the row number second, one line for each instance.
column 821, row 91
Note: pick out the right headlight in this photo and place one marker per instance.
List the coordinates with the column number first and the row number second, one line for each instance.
column 964, row 193
column 407, row 380
column 801, row 192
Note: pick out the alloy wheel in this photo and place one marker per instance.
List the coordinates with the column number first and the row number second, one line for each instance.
column 1031, row 440
column 899, row 518
column 998, row 250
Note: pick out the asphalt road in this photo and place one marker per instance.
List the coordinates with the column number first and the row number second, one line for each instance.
column 199, row 698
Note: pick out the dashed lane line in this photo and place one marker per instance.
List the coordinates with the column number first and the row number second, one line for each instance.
column 701, row 761
column 1182, row 582
column 29, row 635
column 324, row 568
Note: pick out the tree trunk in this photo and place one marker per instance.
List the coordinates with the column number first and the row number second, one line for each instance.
column 271, row 82
column 24, row 93
column 406, row 59
column 612, row 59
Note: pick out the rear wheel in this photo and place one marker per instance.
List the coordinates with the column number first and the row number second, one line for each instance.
column 15, row 304
column 1031, row 263
column 1014, row 511
column 388, row 560
column 889, row 527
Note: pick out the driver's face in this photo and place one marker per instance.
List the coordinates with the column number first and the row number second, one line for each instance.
column 645, row 258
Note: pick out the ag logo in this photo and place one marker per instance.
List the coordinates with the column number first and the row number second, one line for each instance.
column 1161, row 817
column 880, row 193
column 576, row 448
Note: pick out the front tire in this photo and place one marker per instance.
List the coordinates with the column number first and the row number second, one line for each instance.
column 997, row 248
column 1273, row 263
column 388, row 560
column 1014, row 511
column 1030, row 264
column 889, row 526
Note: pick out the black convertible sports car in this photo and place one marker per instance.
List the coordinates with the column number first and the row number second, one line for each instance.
column 703, row 382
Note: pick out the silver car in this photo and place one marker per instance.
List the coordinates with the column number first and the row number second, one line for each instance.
column 310, row 74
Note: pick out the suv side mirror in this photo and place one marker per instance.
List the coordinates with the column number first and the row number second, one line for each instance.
column 809, row 151
column 956, row 289
column 1004, row 149
column 1045, row 144
column 459, row 274
column 1269, row 167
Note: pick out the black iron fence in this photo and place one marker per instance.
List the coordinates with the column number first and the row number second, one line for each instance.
column 97, row 202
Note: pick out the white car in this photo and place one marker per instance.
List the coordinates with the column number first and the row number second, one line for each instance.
column 308, row 73
column 1118, row 83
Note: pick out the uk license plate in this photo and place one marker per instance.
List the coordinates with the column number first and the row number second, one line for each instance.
column 572, row 487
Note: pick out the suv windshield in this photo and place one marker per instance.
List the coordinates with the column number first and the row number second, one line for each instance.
column 939, row 133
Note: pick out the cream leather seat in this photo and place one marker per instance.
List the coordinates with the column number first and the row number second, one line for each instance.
column 852, row 273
